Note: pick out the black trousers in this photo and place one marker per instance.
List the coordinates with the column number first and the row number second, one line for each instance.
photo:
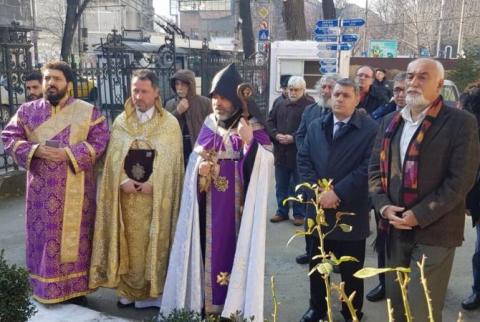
column 340, row 248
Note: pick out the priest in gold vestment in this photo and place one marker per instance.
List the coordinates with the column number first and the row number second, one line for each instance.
column 137, row 210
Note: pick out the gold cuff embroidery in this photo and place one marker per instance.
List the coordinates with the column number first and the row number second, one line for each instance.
column 98, row 121
column 15, row 147
column 93, row 153
column 72, row 159
column 58, row 279
column 30, row 156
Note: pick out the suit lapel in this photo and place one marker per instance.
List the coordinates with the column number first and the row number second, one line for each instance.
column 436, row 126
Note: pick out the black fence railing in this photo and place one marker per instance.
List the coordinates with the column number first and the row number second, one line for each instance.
column 106, row 83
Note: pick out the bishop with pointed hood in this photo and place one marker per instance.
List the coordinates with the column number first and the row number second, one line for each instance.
column 219, row 218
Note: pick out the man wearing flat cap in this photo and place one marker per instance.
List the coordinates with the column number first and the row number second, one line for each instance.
column 218, row 254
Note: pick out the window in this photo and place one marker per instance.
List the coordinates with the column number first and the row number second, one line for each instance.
column 308, row 69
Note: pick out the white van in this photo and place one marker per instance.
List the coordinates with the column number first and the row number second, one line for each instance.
column 299, row 58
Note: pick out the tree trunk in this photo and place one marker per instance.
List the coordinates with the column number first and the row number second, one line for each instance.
column 328, row 8
column 75, row 9
column 248, row 40
column 294, row 18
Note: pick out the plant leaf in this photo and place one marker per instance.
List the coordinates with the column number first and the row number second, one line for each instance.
column 367, row 272
column 284, row 202
column 345, row 228
column 297, row 234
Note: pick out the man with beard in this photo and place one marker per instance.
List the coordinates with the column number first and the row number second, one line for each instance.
column 424, row 162
column 370, row 96
column 58, row 139
column 33, row 84
column 189, row 108
column 218, row 255
column 139, row 198
column 325, row 87
column 283, row 122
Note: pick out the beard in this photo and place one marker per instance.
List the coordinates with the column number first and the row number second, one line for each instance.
column 325, row 102
column 293, row 98
column 55, row 98
column 33, row 97
column 416, row 99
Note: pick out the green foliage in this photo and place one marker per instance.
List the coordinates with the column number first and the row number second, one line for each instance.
column 15, row 305
column 191, row 316
column 467, row 69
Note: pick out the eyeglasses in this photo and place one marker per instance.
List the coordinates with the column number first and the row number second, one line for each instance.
column 361, row 75
column 397, row 90
column 293, row 89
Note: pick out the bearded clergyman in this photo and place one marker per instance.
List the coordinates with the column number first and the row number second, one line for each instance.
column 58, row 139
column 218, row 255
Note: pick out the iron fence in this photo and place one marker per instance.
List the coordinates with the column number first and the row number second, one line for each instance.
column 106, row 82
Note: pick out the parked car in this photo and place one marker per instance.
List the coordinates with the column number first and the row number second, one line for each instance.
column 450, row 93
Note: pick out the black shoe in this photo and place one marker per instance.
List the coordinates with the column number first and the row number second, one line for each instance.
column 312, row 315
column 302, row 259
column 376, row 294
column 472, row 302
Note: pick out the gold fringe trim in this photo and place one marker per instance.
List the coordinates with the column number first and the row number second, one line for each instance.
column 30, row 156
column 98, row 121
column 58, row 279
column 70, row 155
column 93, row 153
column 61, row 299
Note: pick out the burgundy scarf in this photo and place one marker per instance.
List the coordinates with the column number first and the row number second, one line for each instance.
column 410, row 164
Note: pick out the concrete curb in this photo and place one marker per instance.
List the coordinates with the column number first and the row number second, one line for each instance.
column 12, row 183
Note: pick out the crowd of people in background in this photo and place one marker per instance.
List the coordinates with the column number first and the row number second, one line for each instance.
column 179, row 220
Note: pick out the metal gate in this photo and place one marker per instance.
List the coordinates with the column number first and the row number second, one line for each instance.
column 15, row 65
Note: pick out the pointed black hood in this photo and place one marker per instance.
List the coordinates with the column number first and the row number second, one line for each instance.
column 225, row 83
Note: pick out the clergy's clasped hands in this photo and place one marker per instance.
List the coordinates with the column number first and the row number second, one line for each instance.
column 51, row 153
column 132, row 186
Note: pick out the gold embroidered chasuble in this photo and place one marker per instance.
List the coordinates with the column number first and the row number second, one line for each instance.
column 138, row 227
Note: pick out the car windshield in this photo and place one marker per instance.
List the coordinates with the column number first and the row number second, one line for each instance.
column 449, row 93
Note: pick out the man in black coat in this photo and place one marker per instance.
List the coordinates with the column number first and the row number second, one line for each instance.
column 338, row 147
column 282, row 124
column 370, row 96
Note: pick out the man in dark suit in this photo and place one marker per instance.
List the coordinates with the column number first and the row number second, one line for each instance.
column 424, row 162
column 338, row 146
column 371, row 96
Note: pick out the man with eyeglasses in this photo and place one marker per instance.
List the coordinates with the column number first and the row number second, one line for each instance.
column 398, row 101
column 371, row 96
column 283, row 122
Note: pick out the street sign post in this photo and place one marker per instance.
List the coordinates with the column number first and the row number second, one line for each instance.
column 340, row 23
column 321, row 38
column 328, row 61
column 327, row 31
column 349, row 38
column 263, row 35
column 328, row 69
column 327, row 54
column 334, row 46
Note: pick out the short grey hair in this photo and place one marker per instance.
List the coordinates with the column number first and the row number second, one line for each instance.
column 327, row 78
column 297, row 81
column 438, row 65
column 400, row 77
column 347, row 82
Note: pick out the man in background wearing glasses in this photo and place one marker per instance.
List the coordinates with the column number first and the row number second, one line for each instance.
column 371, row 96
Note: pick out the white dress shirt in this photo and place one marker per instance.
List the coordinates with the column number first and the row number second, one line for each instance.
column 336, row 126
column 409, row 129
column 144, row 116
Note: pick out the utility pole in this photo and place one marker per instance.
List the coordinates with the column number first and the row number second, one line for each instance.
column 34, row 31
column 440, row 24
column 459, row 43
column 365, row 29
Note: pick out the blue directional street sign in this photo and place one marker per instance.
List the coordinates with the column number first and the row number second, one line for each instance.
column 327, row 31
column 330, row 46
column 328, row 69
column 340, row 23
column 349, row 38
column 321, row 38
column 263, row 35
column 352, row 22
column 327, row 23
column 328, row 61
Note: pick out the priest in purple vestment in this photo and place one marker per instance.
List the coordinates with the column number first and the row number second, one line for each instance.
column 217, row 259
column 58, row 140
